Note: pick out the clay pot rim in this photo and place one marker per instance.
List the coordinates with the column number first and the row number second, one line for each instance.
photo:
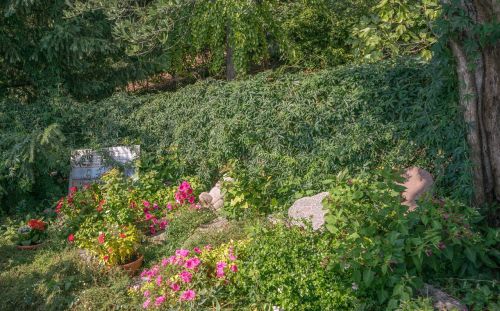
column 139, row 258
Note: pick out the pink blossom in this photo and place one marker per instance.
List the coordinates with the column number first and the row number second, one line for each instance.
column 175, row 287
column 148, row 216
column 146, row 293
column 155, row 206
column 182, row 252
column 158, row 280
column 164, row 262
column 186, row 276
column 163, row 224
column 191, row 199
column 232, row 257
column 188, row 295
column 197, row 250
column 169, row 206
column 192, row 263
column 152, row 229
column 220, row 269
column 208, row 247
column 234, row 268
column 159, row 300
column 146, row 204
column 146, row 303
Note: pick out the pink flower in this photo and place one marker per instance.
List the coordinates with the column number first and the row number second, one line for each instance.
column 159, row 300
column 158, row 280
column 234, row 268
column 197, row 250
column 101, row 238
column 169, row 206
column 155, row 206
column 192, row 263
column 152, row 229
column 105, row 258
column 220, row 269
column 146, row 204
column 175, row 287
column 188, row 295
column 182, row 252
column 146, row 303
column 146, row 293
column 148, row 216
column 208, row 247
column 164, row 262
column 163, row 224
column 186, row 276
column 231, row 254
column 191, row 199
column 73, row 189
column 71, row 238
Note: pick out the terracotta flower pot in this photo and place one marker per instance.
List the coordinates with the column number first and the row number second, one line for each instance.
column 133, row 266
column 29, row 247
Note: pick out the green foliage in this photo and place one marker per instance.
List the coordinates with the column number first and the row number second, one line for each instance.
column 396, row 27
column 285, row 267
column 52, row 45
column 297, row 128
column 315, row 33
column 390, row 249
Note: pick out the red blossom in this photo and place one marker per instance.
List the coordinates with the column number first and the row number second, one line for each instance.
column 102, row 238
column 71, row 238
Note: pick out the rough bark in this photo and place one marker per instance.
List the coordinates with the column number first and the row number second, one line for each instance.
column 230, row 70
column 479, row 77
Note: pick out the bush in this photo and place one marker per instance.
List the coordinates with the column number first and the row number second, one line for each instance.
column 391, row 250
column 292, row 277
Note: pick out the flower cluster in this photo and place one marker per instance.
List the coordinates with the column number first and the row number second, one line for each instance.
column 37, row 224
column 152, row 214
column 185, row 194
column 180, row 277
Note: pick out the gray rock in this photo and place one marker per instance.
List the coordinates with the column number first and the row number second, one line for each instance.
column 310, row 208
column 441, row 300
column 218, row 205
column 216, row 194
column 205, row 199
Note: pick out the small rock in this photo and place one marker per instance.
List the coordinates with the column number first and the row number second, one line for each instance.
column 158, row 238
column 218, row 205
column 417, row 182
column 441, row 300
column 309, row 208
column 216, row 194
column 205, row 199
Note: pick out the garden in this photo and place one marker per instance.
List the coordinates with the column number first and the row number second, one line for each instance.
column 294, row 155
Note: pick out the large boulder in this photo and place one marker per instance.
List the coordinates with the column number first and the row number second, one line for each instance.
column 417, row 182
column 309, row 208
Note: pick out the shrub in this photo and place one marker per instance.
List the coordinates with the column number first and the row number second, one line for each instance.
column 285, row 267
column 110, row 242
column 390, row 250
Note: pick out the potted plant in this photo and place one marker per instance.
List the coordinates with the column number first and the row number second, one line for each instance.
column 113, row 244
column 31, row 236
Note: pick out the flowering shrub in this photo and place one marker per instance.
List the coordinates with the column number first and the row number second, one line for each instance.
column 112, row 243
column 389, row 251
column 33, row 233
column 188, row 277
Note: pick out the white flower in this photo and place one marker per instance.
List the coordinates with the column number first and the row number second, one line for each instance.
column 354, row 286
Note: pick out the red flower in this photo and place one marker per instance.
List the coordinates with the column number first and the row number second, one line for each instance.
column 59, row 205
column 101, row 203
column 71, row 238
column 122, row 235
column 37, row 224
column 73, row 189
column 105, row 258
column 102, row 238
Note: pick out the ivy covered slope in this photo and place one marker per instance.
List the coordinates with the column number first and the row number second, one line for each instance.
column 301, row 127
column 296, row 127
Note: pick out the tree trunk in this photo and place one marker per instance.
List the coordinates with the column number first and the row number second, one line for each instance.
column 479, row 77
column 230, row 70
